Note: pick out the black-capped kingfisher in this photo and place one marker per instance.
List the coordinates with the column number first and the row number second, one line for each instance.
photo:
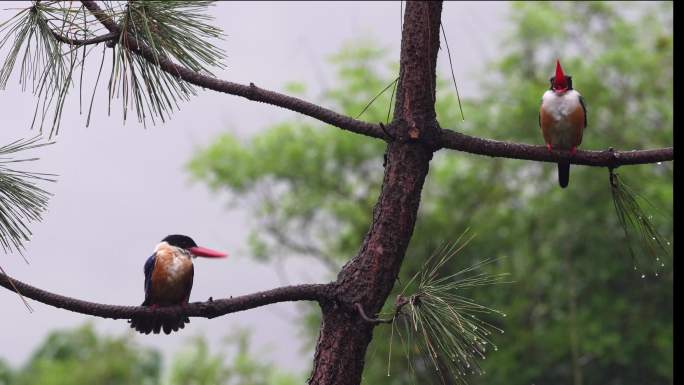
column 168, row 281
column 562, row 118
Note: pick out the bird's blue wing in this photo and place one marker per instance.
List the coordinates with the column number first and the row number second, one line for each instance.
column 584, row 107
column 149, row 267
column 188, row 286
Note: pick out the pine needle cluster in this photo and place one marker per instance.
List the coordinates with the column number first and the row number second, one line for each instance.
column 46, row 38
column 22, row 200
column 647, row 248
column 439, row 327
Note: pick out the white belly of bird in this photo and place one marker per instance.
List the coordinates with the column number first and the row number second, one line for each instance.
column 563, row 132
column 177, row 269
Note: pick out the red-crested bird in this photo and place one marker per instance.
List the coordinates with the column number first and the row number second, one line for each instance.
column 562, row 118
column 168, row 281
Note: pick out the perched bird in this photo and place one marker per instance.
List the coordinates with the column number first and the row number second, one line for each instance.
column 168, row 281
column 562, row 118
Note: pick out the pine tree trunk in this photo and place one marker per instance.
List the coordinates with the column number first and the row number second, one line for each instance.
column 369, row 277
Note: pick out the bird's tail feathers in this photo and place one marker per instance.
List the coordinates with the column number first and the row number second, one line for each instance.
column 563, row 173
column 156, row 323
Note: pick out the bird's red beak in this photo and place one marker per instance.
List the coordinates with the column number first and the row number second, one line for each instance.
column 560, row 84
column 205, row 252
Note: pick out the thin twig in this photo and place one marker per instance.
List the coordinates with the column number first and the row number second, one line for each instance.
column 112, row 36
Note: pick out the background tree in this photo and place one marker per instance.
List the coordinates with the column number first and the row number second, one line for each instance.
column 82, row 356
column 147, row 37
column 196, row 365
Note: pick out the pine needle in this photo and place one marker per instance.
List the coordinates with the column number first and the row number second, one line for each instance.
column 451, row 65
column 21, row 199
column 46, row 66
column 394, row 82
column 647, row 248
column 178, row 30
column 23, row 299
column 445, row 326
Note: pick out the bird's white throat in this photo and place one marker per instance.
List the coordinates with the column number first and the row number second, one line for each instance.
column 560, row 106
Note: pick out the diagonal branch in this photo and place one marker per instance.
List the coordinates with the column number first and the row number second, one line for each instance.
column 250, row 92
column 208, row 309
column 609, row 158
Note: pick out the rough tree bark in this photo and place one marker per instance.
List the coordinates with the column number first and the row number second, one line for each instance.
column 369, row 277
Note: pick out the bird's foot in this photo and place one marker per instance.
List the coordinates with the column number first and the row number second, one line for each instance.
column 573, row 151
column 154, row 306
column 548, row 147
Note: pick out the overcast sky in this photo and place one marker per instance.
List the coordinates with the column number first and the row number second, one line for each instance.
column 122, row 188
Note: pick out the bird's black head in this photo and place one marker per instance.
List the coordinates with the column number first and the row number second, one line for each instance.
column 568, row 82
column 186, row 243
column 182, row 241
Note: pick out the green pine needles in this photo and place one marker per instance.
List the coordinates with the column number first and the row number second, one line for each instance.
column 177, row 30
column 21, row 199
column 647, row 248
column 51, row 41
column 45, row 68
column 439, row 327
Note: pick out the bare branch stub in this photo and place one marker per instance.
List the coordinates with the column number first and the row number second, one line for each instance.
column 366, row 318
column 209, row 309
column 398, row 305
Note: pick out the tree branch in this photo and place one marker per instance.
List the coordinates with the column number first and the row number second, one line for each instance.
column 208, row 309
column 112, row 36
column 250, row 92
column 608, row 158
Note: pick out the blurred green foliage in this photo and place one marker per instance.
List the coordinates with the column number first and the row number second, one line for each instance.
column 578, row 312
column 195, row 365
column 81, row 356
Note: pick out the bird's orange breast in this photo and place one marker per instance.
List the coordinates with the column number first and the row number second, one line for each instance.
column 562, row 128
column 171, row 277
